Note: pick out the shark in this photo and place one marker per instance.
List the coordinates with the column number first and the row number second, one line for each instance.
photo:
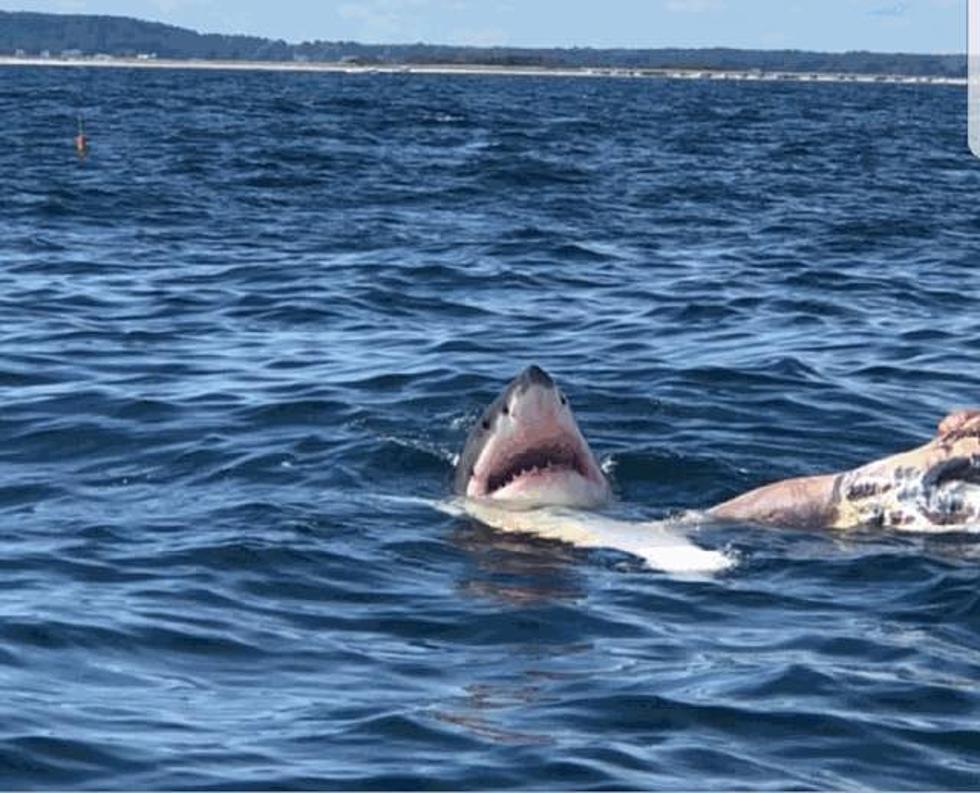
column 527, row 468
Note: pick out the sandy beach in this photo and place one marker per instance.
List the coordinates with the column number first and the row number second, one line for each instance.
column 475, row 69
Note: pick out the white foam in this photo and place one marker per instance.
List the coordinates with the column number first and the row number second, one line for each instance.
column 663, row 546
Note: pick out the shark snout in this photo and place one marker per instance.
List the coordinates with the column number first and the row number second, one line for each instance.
column 535, row 375
column 534, row 398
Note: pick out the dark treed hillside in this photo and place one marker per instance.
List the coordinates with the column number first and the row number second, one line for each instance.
column 34, row 33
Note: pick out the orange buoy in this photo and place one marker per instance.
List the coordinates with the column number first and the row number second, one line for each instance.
column 81, row 141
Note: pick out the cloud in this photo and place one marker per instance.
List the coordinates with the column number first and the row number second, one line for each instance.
column 891, row 10
column 774, row 38
column 479, row 37
column 382, row 20
column 693, row 6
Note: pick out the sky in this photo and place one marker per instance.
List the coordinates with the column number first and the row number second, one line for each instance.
column 936, row 26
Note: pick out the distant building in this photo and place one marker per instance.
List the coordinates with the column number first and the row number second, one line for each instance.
column 146, row 56
column 71, row 53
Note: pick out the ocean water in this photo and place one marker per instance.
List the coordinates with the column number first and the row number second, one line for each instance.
column 241, row 343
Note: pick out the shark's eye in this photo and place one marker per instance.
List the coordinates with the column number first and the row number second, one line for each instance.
column 486, row 424
column 563, row 400
column 505, row 410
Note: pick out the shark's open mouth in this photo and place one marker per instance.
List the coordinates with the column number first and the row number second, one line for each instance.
column 554, row 468
column 548, row 459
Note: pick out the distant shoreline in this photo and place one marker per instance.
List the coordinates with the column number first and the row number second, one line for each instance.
column 476, row 69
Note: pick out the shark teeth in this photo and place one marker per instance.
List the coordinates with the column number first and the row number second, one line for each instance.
column 534, row 462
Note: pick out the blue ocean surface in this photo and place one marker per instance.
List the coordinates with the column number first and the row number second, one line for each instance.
column 243, row 340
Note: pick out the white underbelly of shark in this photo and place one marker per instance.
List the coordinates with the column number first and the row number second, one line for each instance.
column 663, row 545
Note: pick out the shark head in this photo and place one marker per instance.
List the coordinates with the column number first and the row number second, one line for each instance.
column 527, row 449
